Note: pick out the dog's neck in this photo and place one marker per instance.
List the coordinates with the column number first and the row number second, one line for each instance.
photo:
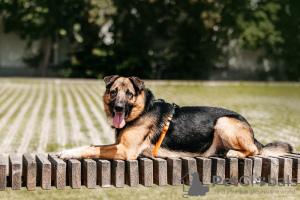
column 149, row 100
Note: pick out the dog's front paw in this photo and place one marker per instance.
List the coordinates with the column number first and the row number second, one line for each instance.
column 69, row 154
column 232, row 154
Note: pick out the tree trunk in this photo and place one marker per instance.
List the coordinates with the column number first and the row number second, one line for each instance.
column 46, row 45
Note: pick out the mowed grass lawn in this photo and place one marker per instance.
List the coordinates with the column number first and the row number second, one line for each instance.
column 48, row 115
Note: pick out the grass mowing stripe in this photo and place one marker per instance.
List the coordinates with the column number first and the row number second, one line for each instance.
column 263, row 114
column 83, row 127
column 18, row 118
column 89, row 105
column 77, row 135
column 271, row 110
column 184, row 95
column 51, row 144
column 60, row 120
column 46, row 121
column 37, row 133
column 108, row 131
column 14, row 104
column 92, row 131
column 23, row 122
column 3, row 89
column 5, row 93
column 98, row 91
column 96, row 116
column 10, row 100
column 33, row 123
column 68, row 123
column 96, row 99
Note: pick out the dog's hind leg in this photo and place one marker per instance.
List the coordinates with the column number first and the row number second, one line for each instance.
column 237, row 137
column 215, row 147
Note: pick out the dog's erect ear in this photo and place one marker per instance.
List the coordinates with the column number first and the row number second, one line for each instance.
column 138, row 84
column 109, row 80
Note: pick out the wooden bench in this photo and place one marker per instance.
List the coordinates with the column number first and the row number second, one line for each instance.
column 46, row 171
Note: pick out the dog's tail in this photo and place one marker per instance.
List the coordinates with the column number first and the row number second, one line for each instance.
column 274, row 148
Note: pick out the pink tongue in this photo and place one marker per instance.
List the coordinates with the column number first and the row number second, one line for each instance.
column 119, row 121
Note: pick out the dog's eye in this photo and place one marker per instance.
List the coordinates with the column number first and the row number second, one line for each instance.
column 129, row 94
column 113, row 92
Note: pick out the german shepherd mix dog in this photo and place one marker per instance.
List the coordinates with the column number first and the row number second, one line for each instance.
column 140, row 123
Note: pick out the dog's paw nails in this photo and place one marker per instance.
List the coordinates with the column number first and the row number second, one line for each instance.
column 232, row 154
column 68, row 154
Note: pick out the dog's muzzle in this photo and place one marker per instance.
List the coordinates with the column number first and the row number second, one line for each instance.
column 119, row 115
column 119, row 107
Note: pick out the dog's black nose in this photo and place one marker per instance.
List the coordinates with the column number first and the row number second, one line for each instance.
column 119, row 107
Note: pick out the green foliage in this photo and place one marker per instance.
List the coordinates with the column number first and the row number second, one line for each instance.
column 33, row 60
column 48, row 21
column 286, row 52
column 36, row 19
column 171, row 39
column 270, row 25
column 156, row 39
column 184, row 39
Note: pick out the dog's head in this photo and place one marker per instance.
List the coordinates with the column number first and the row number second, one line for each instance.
column 124, row 99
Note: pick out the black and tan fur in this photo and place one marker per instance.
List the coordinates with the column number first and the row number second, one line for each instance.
column 194, row 131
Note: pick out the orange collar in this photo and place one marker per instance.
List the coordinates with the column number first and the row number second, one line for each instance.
column 162, row 136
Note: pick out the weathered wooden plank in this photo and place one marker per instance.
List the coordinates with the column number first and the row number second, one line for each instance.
column 89, row 173
column 103, row 173
column 2, row 173
column 285, row 169
column 170, row 171
column 29, row 171
column 204, row 170
column 132, row 173
column 43, row 171
column 245, row 170
column 218, row 168
column 256, row 169
column 232, row 170
column 58, row 171
column 174, row 171
column 15, row 171
column 296, row 166
column 74, row 173
column 118, row 173
column 189, row 167
column 295, row 154
column 146, row 172
column 270, row 169
column 160, row 172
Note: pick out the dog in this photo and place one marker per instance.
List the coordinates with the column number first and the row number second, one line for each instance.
column 144, row 126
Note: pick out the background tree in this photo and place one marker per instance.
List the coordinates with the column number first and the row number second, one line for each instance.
column 272, row 26
column 171, row 39
column 285, row 52
column 156, row 39
column 47, row 21
column 187, row 39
